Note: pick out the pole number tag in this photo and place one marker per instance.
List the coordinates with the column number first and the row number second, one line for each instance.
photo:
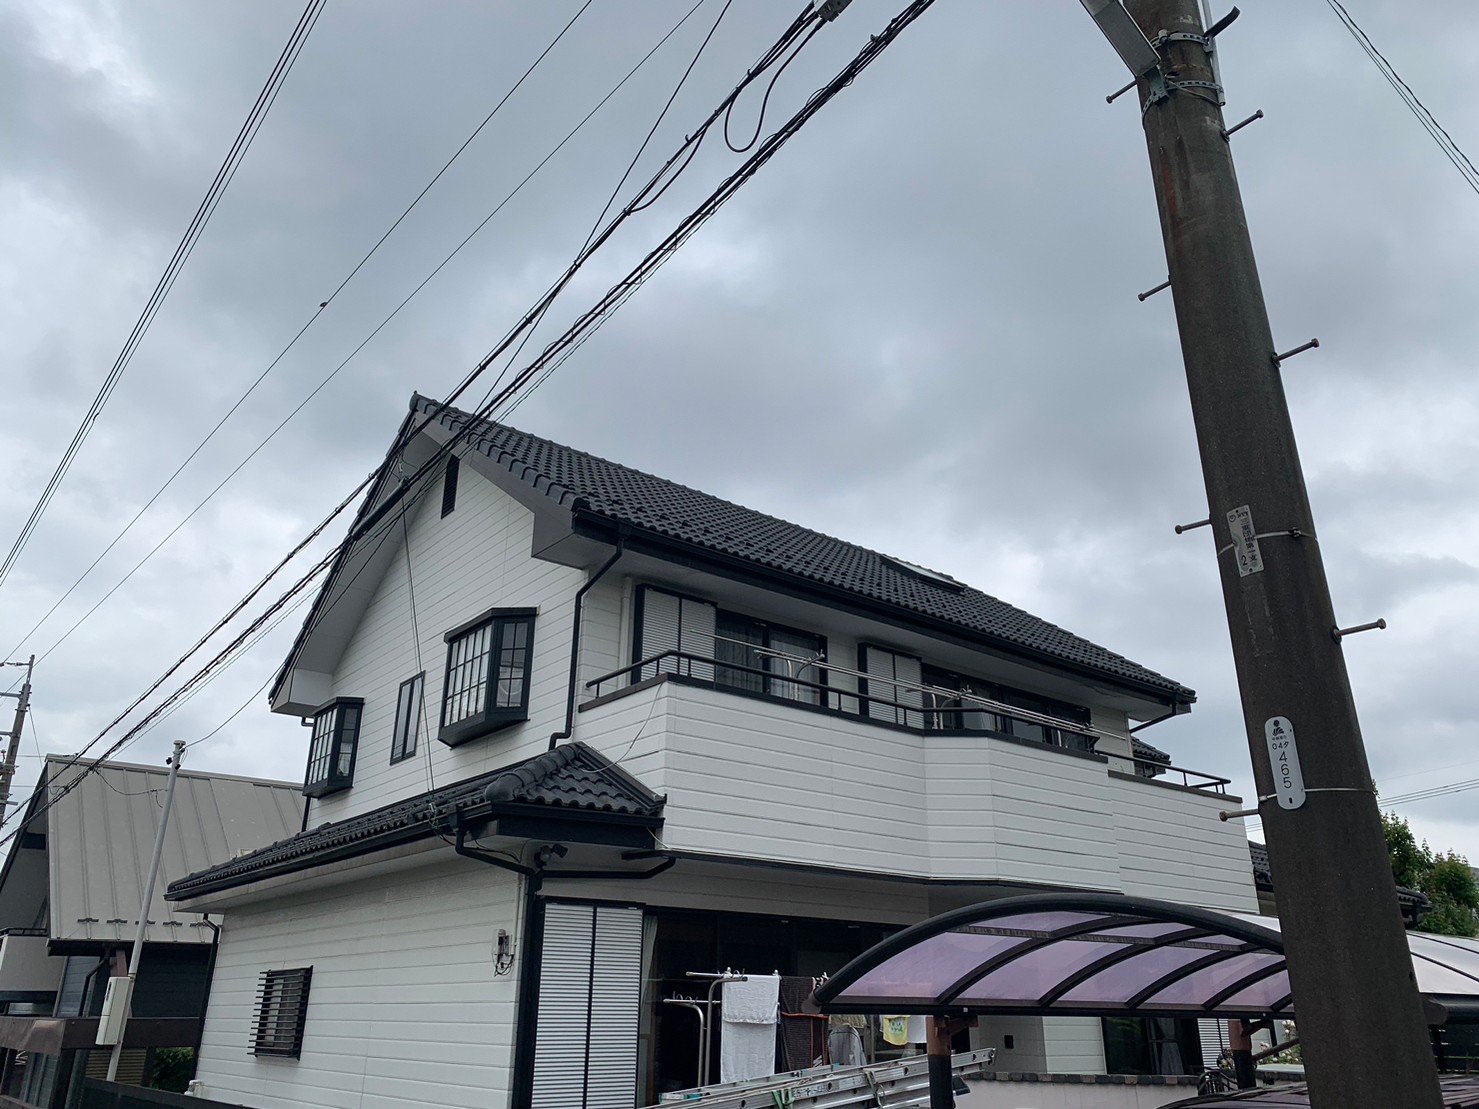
column 1245, row 541
column 1283, row 758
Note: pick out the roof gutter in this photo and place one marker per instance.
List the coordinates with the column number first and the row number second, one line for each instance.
column 621, row 537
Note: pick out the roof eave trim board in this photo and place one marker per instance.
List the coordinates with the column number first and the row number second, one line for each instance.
column 593, row 525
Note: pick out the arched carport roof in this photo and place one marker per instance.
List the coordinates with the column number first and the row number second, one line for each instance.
column 1103, row 954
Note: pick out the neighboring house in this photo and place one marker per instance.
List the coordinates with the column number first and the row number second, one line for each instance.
column 70, row 896
column 578, row 731
column 1413, row 903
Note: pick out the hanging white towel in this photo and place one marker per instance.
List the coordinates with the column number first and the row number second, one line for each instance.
column 746, row 1051
column 755, row 1001
column 747, row 1038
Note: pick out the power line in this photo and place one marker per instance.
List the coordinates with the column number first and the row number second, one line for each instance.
column 1445, row 141
column 1428, row 794
column 186, row 246
column 312, row 319
column 581, row 329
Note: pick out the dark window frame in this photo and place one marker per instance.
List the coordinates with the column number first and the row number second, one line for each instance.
column 772, row 677
column 403, row 746
column 329, row 778
column 490, row 717
column 1006, row 724
column 281, row 1012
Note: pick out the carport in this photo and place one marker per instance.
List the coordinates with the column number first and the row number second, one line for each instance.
column 1106, row 955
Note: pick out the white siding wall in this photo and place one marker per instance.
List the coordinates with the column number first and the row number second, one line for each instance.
column 404, row 1010
column 465, row 564
column 1073, row 1045
column 752, row 778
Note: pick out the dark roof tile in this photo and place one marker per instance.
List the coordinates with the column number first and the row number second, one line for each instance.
column 676, row 512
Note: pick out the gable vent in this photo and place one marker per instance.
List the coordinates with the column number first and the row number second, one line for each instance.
column 449, row 486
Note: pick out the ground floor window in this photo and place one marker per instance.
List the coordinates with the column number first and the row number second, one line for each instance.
column 1154, row 1045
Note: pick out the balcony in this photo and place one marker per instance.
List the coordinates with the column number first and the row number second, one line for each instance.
column 804, row 773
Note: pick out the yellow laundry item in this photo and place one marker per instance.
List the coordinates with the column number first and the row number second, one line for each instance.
column 896, row 1030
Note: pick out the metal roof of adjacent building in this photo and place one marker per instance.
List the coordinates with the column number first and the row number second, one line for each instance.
column 622, row 495
column 572, row 777
column 100, row 840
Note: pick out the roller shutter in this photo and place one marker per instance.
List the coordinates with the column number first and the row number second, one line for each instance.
column 590, row 983
column 670, row 622
column 885, row 670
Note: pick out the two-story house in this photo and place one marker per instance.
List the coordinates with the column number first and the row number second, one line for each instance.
column 577, row 731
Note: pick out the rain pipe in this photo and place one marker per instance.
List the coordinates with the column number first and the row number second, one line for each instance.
column 575, row 641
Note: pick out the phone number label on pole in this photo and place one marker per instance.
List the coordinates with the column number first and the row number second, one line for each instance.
column 1283, row 757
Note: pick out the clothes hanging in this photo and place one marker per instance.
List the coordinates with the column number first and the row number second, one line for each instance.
column 803, row 1035
column 747, row 1037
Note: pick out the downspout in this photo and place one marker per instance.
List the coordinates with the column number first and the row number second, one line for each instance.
column 205, row 998
column 526, row 1006
column 621, row 538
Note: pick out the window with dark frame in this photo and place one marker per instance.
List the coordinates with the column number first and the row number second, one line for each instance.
column 331, row 751
column 487, row 680
column 282, row 1005
column 963, row 714
column 449, row 485
column 407, row 718
column 759, row 657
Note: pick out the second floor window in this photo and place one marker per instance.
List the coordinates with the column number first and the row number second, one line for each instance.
column 331, row 751
column 761, row 657
column 965, row 713
column 487, row 683
column 407, row 718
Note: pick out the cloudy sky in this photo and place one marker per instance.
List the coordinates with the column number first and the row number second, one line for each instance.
column 916, row 328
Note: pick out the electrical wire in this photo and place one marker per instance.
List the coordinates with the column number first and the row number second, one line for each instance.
column 592, row 318
column 186, row 246
column 765, row 102
column 312, row 319
column 1451, row 150
column 1429, row 794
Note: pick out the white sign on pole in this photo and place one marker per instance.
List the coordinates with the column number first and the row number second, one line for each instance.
column 1245, row 541
column 1283, row 757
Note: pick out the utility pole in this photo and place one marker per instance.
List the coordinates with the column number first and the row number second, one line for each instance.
column 1361, row 1019
column 12, row 748
column 119, row 998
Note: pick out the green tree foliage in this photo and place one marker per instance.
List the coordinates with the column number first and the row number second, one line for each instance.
column 1444, row 877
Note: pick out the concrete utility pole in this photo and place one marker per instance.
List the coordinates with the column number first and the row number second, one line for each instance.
column 1361, row 1020
column 118, row 1002
column 12, row 748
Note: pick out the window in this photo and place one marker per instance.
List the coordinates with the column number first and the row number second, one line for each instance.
column 282, row 1003
column 331, row 752
column 449, row 486
column 963, row 713
column 769, row 655
column 487, row 686
column 407, row 718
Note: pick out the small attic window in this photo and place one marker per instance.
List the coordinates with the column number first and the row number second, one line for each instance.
column 449, row 486
column 933, row 576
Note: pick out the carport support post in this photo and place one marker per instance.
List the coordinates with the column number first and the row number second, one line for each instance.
column 942, row 1093
column 1360, row 1018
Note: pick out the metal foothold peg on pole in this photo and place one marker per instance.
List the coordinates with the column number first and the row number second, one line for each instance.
column 1112, row 97
column 1166, row 284
column 1311, row 345
column 1376, row 625
column 1180, row 528
column 1235, row 814
column 1236, row 127
column 1222, row 24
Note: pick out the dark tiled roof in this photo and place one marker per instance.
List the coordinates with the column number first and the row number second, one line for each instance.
column 1413, row 902
column 675, row 512
column 571, row 777
column 1142, row 750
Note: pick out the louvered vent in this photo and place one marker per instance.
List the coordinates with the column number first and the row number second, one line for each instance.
column 282, row 1005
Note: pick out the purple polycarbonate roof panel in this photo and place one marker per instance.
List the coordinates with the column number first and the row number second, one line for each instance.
column 1042, row 922
column 1030, row 976
column 1152, row 931
column 1432, row 978
column 1259, row 996
column 1116, row 984
column 1200, row 986
column 925, row 969
column 1460, row 954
